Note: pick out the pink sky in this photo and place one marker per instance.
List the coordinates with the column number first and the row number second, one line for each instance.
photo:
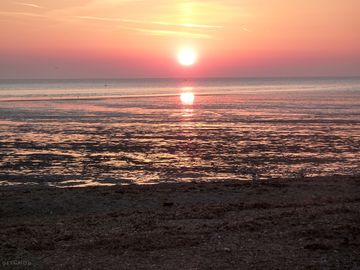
column 123, row 38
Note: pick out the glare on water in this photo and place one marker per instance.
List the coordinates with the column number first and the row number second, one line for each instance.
column 187, row 98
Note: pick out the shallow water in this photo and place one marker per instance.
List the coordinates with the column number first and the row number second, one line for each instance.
column 75, row 133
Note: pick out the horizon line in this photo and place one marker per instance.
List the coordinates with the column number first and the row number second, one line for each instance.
column 184, row 78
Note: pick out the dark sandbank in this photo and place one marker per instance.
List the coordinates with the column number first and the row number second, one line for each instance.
column 311, row 223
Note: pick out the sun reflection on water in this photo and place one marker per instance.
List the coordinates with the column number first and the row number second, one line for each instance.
column 188, row 113
column 187, row 98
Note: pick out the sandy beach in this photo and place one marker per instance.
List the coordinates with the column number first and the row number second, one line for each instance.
column 310, row 223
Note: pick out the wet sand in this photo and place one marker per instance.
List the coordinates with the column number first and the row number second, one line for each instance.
column 150, row 140
column 311, row 223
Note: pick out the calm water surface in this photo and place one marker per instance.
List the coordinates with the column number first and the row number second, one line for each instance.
column 104, row 132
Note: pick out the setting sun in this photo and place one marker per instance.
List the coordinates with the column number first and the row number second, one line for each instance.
column 187, row 57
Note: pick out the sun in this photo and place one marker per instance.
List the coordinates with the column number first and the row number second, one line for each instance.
column 187, row 57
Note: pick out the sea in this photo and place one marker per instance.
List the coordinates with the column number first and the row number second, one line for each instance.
column 75, row 133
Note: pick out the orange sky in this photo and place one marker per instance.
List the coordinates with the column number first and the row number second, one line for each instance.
column 140, row 38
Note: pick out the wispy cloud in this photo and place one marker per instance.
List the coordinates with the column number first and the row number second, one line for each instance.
column 200, row 25
column 10, row 13
column 157, row 32
column 190, row 25
column 29, row 5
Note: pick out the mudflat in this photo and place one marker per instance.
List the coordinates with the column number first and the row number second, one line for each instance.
column 308, row 223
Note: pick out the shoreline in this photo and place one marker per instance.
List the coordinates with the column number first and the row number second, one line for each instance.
column 308, row 223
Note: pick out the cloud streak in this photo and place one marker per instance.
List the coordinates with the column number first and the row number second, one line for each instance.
column 10, row 13
column 29, row 5
column 157, row 32
column 190, row 25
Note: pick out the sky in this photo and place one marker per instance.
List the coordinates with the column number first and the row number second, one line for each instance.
column 141, row 38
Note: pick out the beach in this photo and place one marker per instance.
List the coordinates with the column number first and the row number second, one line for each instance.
column 309, row 223
column 174, row 174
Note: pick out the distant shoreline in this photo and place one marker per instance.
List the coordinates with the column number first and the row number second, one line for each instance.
column 186, row 78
